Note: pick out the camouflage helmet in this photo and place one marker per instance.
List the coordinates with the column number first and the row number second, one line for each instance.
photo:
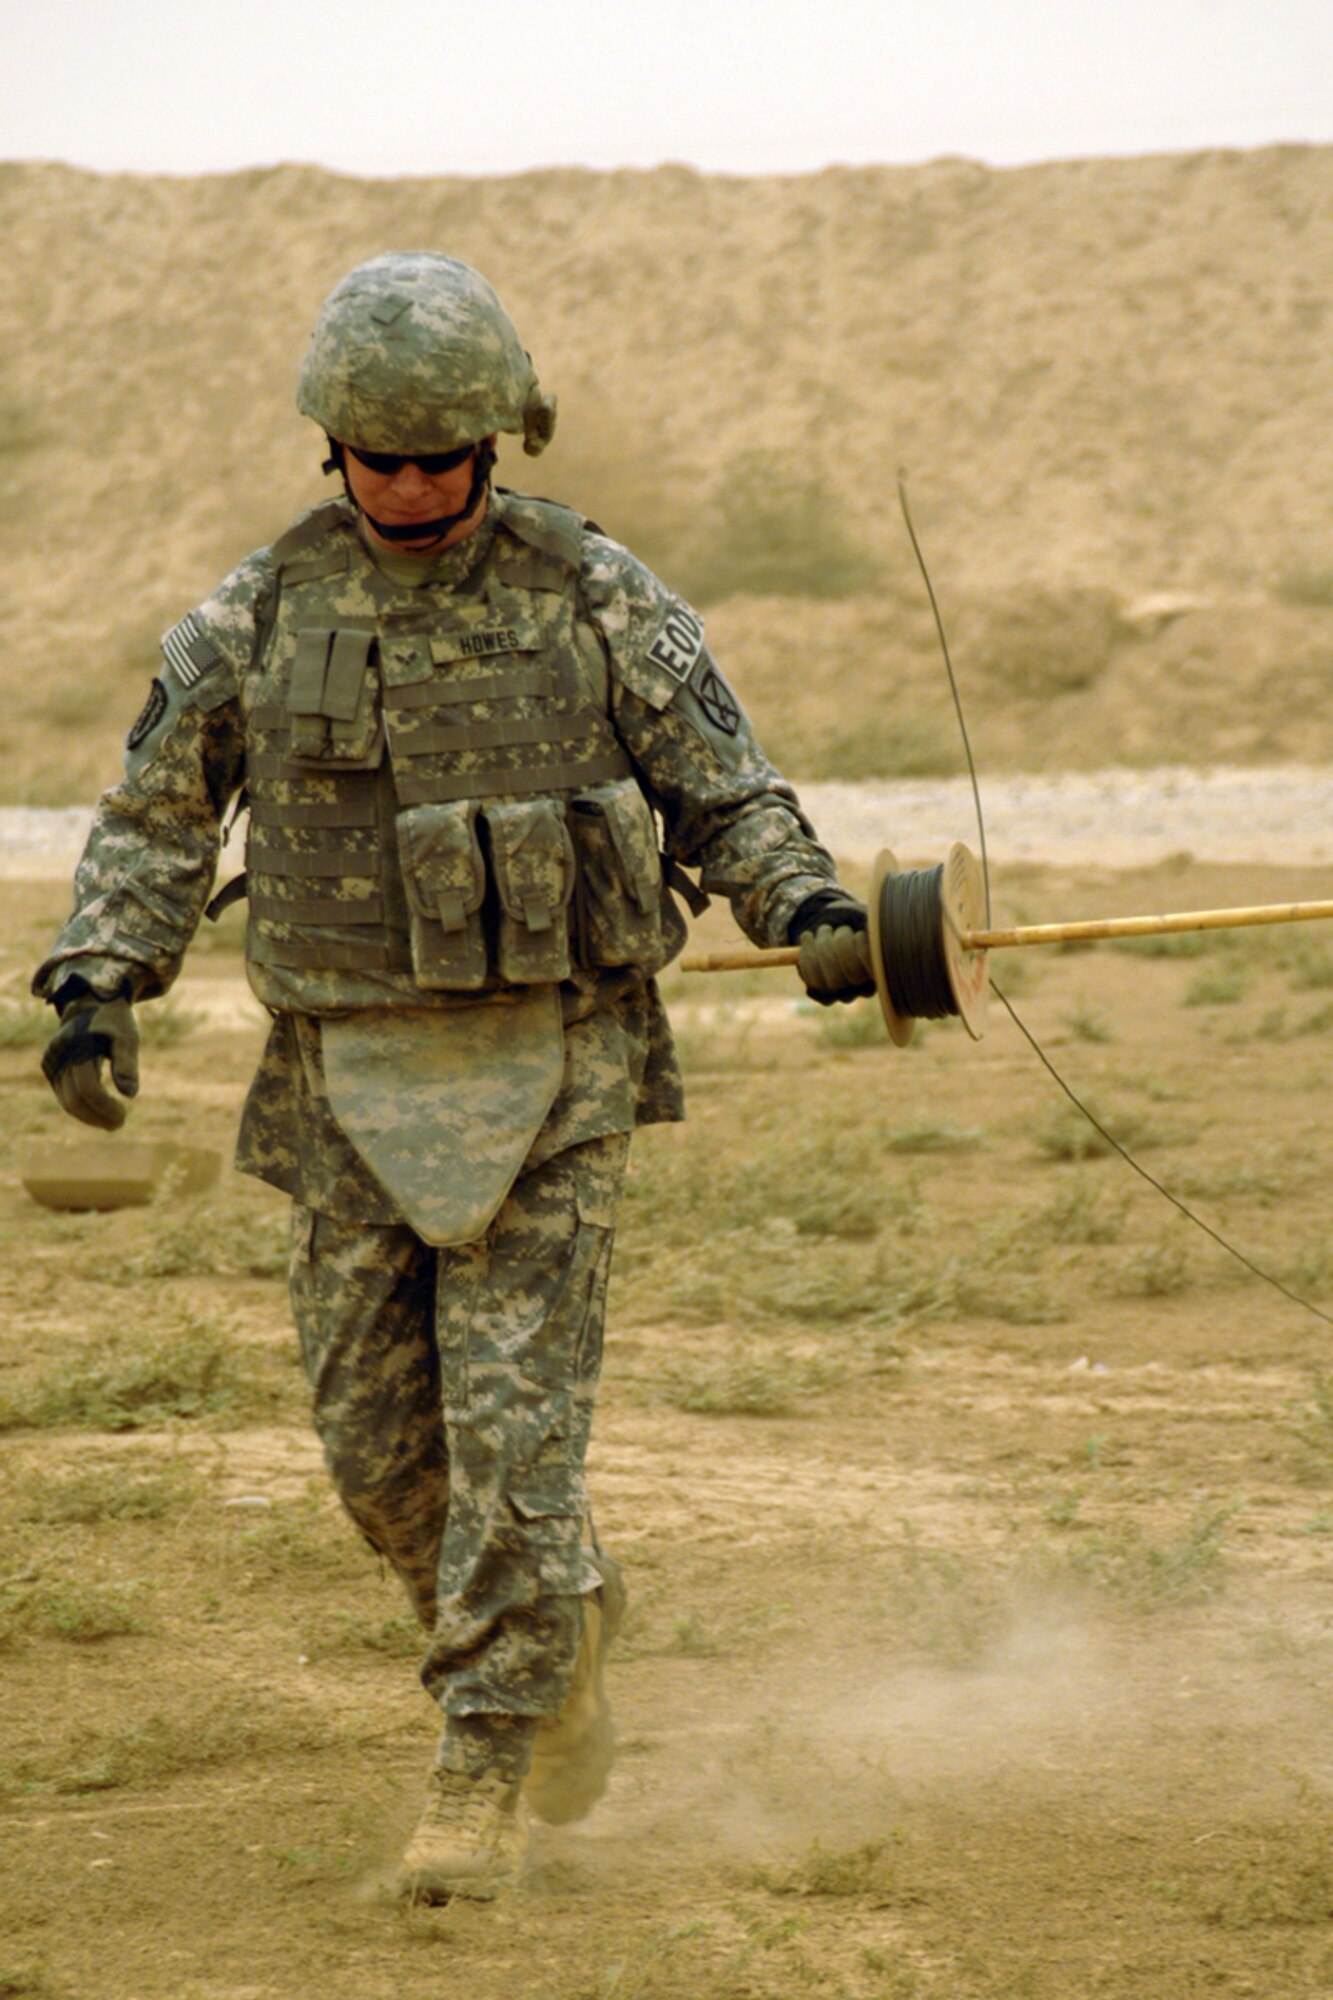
column 414, row 352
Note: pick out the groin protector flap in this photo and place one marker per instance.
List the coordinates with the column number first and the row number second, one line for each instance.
column 443, row 1104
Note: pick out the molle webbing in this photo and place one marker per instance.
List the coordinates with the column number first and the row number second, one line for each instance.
column 517, row 784
column 302, row 845
column 531, row 684
column 441, row 738
column 550, row 737
column 361, row 863
column 273, row 763
column 385, row 712
column 318, row 909
column 375, row 954
column 360, row 812
column 290, row 906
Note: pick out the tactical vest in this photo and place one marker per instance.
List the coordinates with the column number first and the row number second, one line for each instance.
column 439, row 804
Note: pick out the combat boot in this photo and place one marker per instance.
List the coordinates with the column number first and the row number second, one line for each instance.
column 573, row 1750
column 469, row 1841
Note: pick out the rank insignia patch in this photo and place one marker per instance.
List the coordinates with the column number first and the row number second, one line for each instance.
column 679, row 642
column 188, row 649
column 153, row 710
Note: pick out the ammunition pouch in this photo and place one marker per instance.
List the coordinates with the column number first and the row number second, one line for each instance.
column 533, row 862
column 620, row 876
column 436, row 789
column 445, row 878
column 331, row 699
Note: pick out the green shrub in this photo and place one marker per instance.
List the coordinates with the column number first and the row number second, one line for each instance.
column 125, row 1384
column 67, row 1608
column 1220, row 986
column 1306, row 584
column 773, row 528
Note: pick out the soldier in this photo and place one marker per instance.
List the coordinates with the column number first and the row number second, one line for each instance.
column 480, row 744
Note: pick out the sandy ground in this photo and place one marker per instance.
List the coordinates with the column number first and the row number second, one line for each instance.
column 975, row 1510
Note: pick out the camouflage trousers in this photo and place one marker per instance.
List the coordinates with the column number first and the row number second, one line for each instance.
column 453, row 1393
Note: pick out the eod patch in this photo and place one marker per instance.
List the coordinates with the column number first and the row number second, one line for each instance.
column 679, row 642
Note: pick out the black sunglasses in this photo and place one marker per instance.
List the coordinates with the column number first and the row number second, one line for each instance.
column 432, row 463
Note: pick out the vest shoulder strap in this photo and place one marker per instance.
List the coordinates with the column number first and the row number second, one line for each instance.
column 309, row 530
column 546, row 525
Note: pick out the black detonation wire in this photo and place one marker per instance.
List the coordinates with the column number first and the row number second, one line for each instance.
column 953, row 684
column 1028, row 1036
column 915, row 970
column 1175, row 1200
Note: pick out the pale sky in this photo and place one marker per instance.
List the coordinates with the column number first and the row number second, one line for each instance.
column 387, row 87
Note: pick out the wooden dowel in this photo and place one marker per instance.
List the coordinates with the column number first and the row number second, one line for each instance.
column 739, row 959
column 1114, row 927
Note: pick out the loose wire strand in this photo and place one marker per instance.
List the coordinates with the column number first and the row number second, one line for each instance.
column 1175, row 1201
column 953, row 684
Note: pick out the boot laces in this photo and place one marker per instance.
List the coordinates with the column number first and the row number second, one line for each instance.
column 474, row 1807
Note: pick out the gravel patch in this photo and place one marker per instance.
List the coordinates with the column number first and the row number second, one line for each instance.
column 1281, row 816
column 1116, row 818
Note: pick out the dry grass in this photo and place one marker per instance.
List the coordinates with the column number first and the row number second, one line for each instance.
column 751, row 1380
column 87, row 1495
column 974, row 1441
column 222, row 1236
column 159, row 1743
column 773, row 529
column 192, row 1370
column 82, row 1613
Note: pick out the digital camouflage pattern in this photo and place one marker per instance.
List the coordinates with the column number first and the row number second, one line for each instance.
column 453, row 1392
column 148, row 866
column 443, row 1107
column 414, row 352
column 619, row 1070
column 504, row 773
column 452, row 1387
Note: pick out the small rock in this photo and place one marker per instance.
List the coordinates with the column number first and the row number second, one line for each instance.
column 1160, row 607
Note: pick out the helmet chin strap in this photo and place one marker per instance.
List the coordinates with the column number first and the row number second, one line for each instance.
column 422, row 532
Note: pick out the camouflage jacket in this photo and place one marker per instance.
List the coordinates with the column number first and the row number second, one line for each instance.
column 149, row 864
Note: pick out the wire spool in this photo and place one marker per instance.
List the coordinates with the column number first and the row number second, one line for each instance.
column 918, row 917
column 963, row 901
column 884, row 873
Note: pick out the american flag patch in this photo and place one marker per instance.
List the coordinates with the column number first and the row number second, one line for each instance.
column 189, row 650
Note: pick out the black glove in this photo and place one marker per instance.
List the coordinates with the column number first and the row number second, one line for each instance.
column 92, row 1031
column 832, row 929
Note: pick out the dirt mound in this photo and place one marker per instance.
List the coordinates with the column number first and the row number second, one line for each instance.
column 1111, row 381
